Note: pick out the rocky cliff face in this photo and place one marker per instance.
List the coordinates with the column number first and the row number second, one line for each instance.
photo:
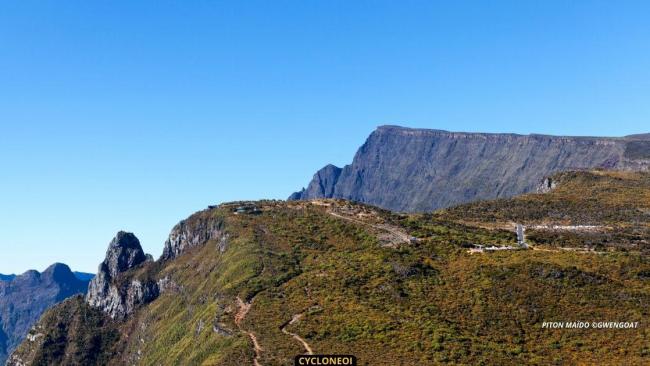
column 124, row 252
column 111, row 290
column 322, row 185
column 415, row 170
column 118, row 290
column 25, row 297
column 194, row 231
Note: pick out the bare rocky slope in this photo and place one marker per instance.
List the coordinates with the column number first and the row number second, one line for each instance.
column 418, row 170
column 25, row 297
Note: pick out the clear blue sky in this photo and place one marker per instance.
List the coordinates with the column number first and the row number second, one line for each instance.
column 134, row 114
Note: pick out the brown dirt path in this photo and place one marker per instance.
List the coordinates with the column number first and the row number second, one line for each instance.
column 242, row 310
column 304, row 343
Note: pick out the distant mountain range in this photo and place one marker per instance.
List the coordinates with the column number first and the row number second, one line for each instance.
column 418, row 170
column 7, row 277
column 83, row 275
column 25, row 297
column 80, row 275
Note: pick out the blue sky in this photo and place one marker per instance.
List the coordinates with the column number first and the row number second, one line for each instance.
column 134, row 114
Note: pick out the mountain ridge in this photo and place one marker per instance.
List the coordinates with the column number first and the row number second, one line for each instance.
column 9, row 277
column 418, row 170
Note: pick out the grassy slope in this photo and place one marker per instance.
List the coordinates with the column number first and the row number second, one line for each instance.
column 428, row 301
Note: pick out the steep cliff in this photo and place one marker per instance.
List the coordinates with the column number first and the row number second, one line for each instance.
column 415, row 170
column 25, row 297
column 114, row 292
column 194, row 231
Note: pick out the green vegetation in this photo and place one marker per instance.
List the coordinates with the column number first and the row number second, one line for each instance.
column 71, row 333
column 617, row 203
column 358, row 289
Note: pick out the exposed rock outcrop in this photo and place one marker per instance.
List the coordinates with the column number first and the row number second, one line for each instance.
column 111, row 290
column 547, row 185
column 124, row 252
column 25, row 297
column 194, row 231
column 414, row 170
column 323, row 184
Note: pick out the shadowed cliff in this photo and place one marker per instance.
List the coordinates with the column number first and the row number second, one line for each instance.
column 416, row 170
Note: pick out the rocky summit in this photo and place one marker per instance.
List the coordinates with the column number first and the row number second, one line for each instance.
column 124, row 252
column 417, row 170
column 112, row 292
column 25, row 297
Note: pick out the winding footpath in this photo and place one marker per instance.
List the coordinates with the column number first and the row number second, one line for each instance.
column 304, row 343
column 242, row 310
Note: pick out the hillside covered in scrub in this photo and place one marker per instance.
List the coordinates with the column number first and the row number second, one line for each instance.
column 260, row 282
column 602, row 210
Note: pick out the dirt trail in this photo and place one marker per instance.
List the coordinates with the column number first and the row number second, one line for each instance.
column 304, row 343
column 242, row 310
column 393, row 235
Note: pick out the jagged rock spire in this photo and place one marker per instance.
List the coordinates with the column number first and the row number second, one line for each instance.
column 124, row 253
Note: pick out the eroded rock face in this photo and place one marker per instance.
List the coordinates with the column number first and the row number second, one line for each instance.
column 124, row 252
column 322, row 185
column 110, row 290
column 192, row 232
column 417, row 170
